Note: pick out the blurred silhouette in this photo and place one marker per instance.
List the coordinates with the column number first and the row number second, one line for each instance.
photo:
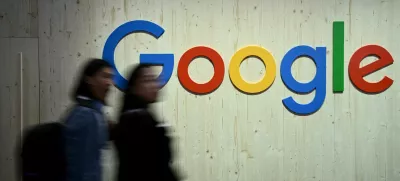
column 69, row 150
column 86, row 129
column 42, row 153
column 143, row 147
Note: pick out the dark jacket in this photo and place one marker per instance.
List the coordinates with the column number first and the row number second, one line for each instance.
column 143, row 147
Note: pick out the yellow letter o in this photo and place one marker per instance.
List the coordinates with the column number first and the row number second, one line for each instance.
column 263, row 55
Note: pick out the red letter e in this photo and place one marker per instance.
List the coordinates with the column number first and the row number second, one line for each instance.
column 357, row 73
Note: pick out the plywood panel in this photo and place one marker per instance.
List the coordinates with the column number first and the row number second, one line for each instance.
column 19, row 18
column 11, row 120
column 228, row 135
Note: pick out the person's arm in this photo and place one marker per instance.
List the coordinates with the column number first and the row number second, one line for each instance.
column 82, row 144
column 136, row 137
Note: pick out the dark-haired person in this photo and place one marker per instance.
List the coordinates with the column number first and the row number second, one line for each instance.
column 86, row 129
column 142, row 144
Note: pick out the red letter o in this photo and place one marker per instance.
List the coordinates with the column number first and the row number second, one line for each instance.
column 213, row 57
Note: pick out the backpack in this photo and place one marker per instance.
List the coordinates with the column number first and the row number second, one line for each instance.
column 43, row 152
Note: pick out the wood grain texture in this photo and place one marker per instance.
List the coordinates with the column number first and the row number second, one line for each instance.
column 10, row 97
column 19, row 18
column 228, row 135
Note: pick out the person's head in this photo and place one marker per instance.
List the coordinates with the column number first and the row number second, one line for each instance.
column 95, row 80
column 143, row 82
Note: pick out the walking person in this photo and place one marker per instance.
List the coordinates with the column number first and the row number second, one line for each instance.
column 143, row 147
column 86, row 129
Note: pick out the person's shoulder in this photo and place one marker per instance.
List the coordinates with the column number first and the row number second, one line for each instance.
column 81, row 116
column 83, row 111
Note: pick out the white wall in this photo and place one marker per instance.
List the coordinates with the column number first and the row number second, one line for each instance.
column 234, row 136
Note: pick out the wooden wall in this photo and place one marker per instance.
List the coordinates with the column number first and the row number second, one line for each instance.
column 226, row 135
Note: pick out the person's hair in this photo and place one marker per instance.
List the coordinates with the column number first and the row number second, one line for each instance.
column 135, row 75
column 136, row 72
column 93, row 66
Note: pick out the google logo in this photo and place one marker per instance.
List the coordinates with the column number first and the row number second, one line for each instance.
column 317, row 55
